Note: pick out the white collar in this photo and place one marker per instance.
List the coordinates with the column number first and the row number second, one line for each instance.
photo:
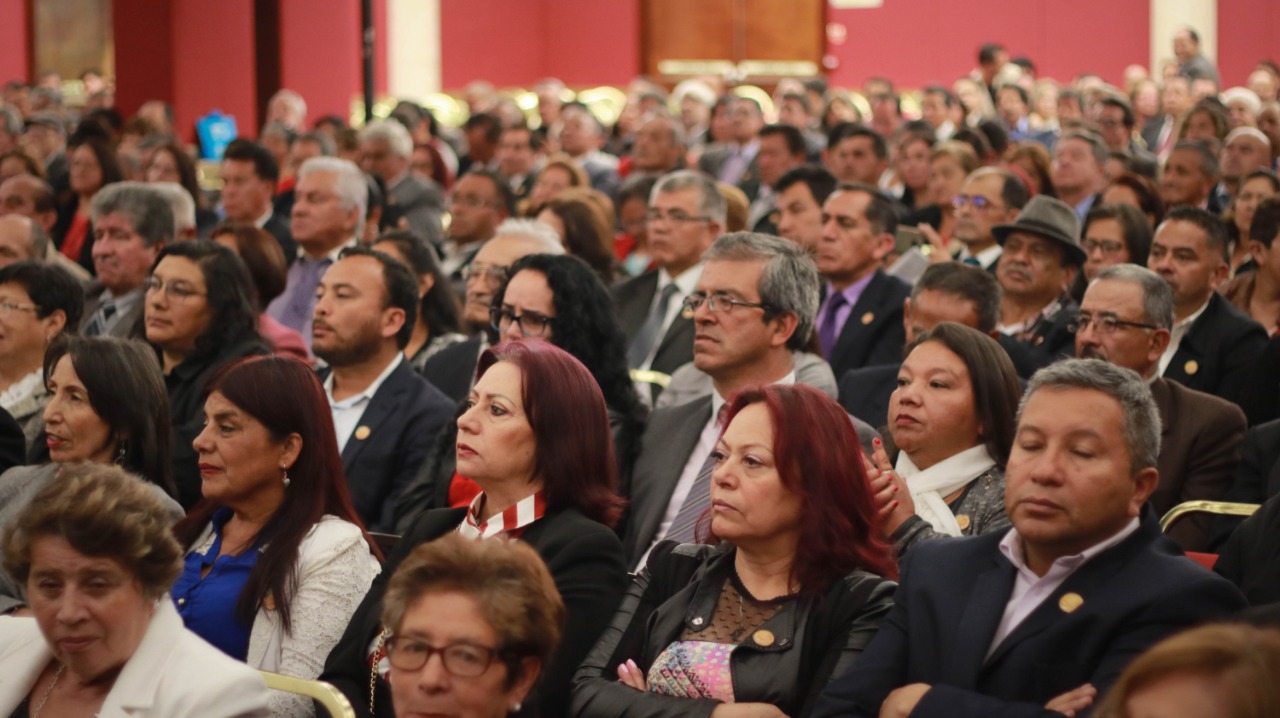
column 1013, row 549
column 369, row 391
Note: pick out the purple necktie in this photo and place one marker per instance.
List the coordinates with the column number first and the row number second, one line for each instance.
column 829, row 332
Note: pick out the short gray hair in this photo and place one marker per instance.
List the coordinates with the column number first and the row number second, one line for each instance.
column 530, row 229
column 142, row 204
column 1157, row 296
column 1141, row 419
column 10, row 121
column 350, row 185
column 789, row 284
column 1093, row 139
column 391, row 132
column 180, row 201
column 711, row 204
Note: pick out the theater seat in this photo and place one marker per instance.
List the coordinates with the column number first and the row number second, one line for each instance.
column 1221, row 508
column 1204, row 559
column 334, row 703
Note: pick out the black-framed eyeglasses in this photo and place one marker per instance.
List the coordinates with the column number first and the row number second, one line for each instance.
column 172, row 290
column 496, row 273
column 675, row 215
column 977, row 201
column 1108, row 246
column 532, row 324
column 720, row 303
column 1104, row 324
column 463, row 660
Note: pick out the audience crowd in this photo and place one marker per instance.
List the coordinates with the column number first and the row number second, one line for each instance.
column 824, row 403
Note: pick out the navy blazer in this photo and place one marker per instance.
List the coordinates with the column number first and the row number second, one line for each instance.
column 1218, row 355
column 873, row 333
column 391, row 441
column 953, row 596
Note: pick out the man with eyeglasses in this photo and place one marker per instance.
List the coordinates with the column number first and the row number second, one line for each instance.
column 1116, row 121
column 990, row 196
column 1125, row 319
column 132, row 222
column 481, row 200
column 747, row 331
column 686, row 214
column 385, row 416
column 453, row 369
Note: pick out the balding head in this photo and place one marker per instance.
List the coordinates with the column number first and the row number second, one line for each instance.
column 30, row 197
column 21, row 238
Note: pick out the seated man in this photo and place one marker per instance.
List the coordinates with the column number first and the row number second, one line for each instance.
column 1041, row 256
column 384, row 414
column 1248, row 558
column 1042, row 617
column 949, row 292
column 1125, row 318
column 1256, row 478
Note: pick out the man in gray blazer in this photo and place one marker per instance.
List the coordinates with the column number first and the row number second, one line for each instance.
column 745, row 332
column 132, row 222
column 387, row 150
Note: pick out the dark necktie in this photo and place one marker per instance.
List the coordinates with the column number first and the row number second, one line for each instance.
column 828, row 334
column 698, row 499
column 647, row 337
column 98, row 324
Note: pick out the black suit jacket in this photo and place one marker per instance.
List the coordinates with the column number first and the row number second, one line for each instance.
column 953, row 596
column 13, row 443
column 278, row 226
column 873, row 334
column 452, row 370
column 1047, row 342
column 1249, row 558
column 633, row 298
column 1218, row 355
column 1256, row 478
column 865, row 392
column 585, row 561
column 391, row 441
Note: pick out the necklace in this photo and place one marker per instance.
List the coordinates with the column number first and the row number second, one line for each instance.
column 44, row 698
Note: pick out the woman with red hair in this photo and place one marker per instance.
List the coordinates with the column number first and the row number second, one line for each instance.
column 788, row 592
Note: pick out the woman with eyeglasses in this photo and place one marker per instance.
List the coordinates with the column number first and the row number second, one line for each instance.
column 952, row 420
column 534, row 437
column 489, row 615
column 199, row 316
column 1114, row 234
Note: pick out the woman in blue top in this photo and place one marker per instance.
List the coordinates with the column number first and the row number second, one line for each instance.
column 277, row 560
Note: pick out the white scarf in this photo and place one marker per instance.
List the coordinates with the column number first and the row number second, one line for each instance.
column 929, row 487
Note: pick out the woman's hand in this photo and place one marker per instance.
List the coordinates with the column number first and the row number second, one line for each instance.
column 892, row 497
column 629, row 674
column 747, row 710
column 939, row 252
column 1073, row 701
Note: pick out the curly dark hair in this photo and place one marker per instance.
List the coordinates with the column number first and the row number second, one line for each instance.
column 585, row 327
column 233, row 313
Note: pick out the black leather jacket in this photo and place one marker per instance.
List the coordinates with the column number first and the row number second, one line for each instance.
column 814, row 638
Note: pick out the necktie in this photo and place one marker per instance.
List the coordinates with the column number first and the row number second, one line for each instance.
column 828, row 333
column 98, row 324
column 973, row 262
column 697, row 500
column 647, row 336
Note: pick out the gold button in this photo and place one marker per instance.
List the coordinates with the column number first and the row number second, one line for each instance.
column 963, row 521
column 182, row 601
column 763, row 638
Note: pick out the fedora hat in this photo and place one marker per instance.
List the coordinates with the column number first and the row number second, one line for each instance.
column 1050, row 218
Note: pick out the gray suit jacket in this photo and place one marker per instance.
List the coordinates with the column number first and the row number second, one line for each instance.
column 421, row 203
column 126, row 326
column 668, row 442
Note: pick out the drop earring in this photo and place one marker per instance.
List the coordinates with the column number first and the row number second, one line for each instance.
column 285, row 477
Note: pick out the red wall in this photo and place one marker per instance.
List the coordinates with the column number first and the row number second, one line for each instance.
column 1247, row 32
column 320, row 53
column 213, row 62
column 14, row 49
column 514, row 44
column 920, row 42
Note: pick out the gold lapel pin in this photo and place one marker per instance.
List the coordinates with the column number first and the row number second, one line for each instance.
column 868, row 318
column 1070, row 602
column 963, row 522
column 1191, row 367
column 363, row 432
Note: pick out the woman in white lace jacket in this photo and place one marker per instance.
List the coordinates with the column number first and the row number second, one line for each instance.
column 277, row 560
column 952, row 418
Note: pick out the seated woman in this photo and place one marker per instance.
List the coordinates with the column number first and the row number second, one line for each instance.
column 489, row 608
column 268, row 270
column 96, row 556
column 38, row 301
column 439, row 322
column 558, row 173
column 277, row 560
column 199, row 315
column 585, row 230
column 952, row 419
column 106, row 405
column 1112, row 234
column 788, row 595
column 535, row 438
column 1225, row 671
column 557, row 298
